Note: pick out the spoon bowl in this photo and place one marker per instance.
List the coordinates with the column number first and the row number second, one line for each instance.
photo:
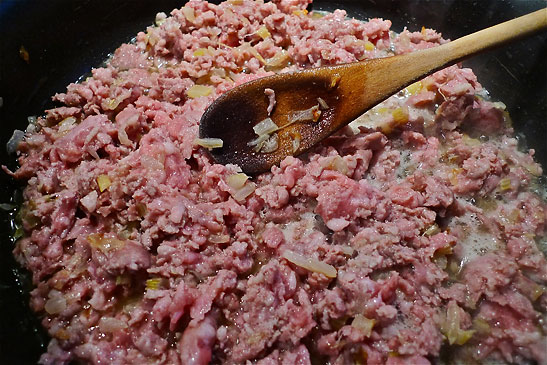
column 339, row 93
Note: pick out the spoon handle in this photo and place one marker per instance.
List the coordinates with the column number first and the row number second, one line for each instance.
column 368, row 82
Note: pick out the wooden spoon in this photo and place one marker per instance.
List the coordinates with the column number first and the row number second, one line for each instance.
column 348, row 90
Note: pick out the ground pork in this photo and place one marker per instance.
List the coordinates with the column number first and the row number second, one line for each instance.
column 408, row 237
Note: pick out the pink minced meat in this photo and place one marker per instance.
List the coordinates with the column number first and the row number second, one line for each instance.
column 271, row 100
column 431, row 232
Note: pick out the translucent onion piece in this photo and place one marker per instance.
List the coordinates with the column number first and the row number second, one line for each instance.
column 432, row 230
column 200, row 52
column 104, row 182
column 111, row 104
column 309, row 115
column 322, row 104
column 189, row 14
column 247, row 47
column 244, row 192
column 266, row 126
column 347, row 250
column 270, row 145
column 263, row 32
column 363, row 324
column 258, row 142
column 310, row 263
column 209, row 142
column 123, row 138
column 153, row 284
column 296, row 143
column 14, row 141
column 451, row 326
column 218, row 238
column 151, row 163
column 280, row 60
column 160, row 18
column 91, row 134
column 236, row 181
column 400, row 116
column 109, row 324
column 104, row 244
column 414, row 88
column 336, row 163
column 197, row 91
column 505, row 184
column 66, row 125
column 56, row 302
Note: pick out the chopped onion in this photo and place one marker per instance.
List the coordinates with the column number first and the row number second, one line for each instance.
column 309, row 115
column 270, row 145
column 266, row 126
column 92, row 134
column 220, row 72
column 258, row 142
column 66, row 125
column 189, row 14
column 201, row 52
column 244, row 192
column 400, row 116
column 414, row 88
column 335, row 163
column 310, row 263
column 316, row 15
column 160, row 18
column 104, row 182
column 56, row 302
column 197, row 91
column 151, row 163
column 218, row 238
column 209, row 142
column 347, row 250
column 110, row 324
column 280, row 60
column 432, row 230
column 237, row 181
column 14, row 141
column 123, row 138
column 470, row 141
column 153, row 284
column 6, row 207
column 299, row 12
column 334, row 81
column 499, row 105
column 505, row 184
column 481, row 326
column 111, row 103
column 322, row 104
column 263, row 32
column 104, row 244
column 451, row 326
column 363, row 324
column 247, row 47
column 296, row 142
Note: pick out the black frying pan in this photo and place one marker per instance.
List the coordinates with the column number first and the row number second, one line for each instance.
column 65, row 38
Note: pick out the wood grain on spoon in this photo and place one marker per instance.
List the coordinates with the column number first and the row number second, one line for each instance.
column 349, row 90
